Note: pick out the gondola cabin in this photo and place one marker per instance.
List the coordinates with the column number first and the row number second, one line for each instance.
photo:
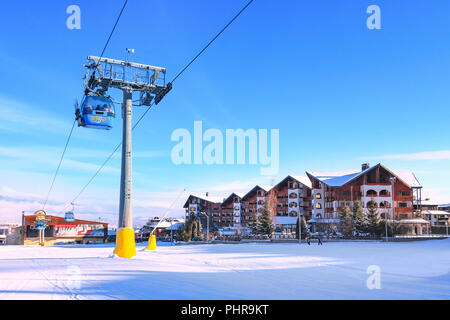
column 69, row 217
column 96, row 112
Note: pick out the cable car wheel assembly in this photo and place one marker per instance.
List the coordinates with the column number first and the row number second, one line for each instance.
column 97, row 111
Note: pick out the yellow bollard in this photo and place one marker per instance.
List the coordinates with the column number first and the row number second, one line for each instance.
column 151, row 243
column 125, row 243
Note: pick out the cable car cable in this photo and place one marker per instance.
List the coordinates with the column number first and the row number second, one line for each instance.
column 174, row 79
column 71, row 131
column 112, row 31
column 59, row 166
column 213, row 39
column 106, row 161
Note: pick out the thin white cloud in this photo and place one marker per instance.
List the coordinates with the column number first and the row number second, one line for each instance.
column 427, row 155
column 20, row 117
column 48, row 157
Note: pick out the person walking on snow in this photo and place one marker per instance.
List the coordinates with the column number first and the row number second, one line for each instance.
column 308, row 240
column 320, row 241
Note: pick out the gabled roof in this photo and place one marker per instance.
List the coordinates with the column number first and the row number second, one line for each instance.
column 248, row 194
column 338, row 179
column 239, row 195
column 216, row 200
column 302, row 179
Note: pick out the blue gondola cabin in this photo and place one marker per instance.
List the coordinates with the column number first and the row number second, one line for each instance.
column 96, row 113
column 69, row 217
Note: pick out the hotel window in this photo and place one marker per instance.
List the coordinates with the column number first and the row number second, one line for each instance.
column 318, row 206
column 318, row 196
column 402, row 205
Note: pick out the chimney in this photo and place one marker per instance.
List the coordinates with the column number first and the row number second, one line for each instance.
column 365, row 166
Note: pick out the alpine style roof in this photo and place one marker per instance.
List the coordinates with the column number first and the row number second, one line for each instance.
column 239, row 195
column 248, row 194
column 338, row 179
column 302, row 179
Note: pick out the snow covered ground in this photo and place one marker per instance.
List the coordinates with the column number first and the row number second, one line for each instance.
column 409, row 270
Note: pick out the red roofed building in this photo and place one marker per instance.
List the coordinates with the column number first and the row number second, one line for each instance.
column 58, row 230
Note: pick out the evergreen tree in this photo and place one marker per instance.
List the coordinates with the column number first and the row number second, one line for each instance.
column 346, row 224
column 191, row 229
column 265, row 220
column 359, row 218
column 373, row 221
column 254, row 226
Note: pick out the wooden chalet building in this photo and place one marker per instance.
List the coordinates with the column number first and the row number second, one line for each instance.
column 252, row 204
column 290, row 198
column 320, row 198
column 392, row 192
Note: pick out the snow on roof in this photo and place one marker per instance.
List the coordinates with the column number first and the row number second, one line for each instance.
column 164, row 223
column 314, row 220
column 265, row 187
column 337, row 178
column 340, row 178
column 447, row 205
column 303, row 179
column 408, row 177
column 434, row 212
column 175, row 226
column 209, row 198
column 417, row 220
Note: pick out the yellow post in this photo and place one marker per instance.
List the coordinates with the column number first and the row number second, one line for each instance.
column 151, row 243
column 125, row 243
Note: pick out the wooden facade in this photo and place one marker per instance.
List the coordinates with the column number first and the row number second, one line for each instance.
column 320, row 199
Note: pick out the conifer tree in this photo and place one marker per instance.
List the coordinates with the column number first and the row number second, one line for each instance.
column 254, row 226
column 373, row 221
column 346, row 224
column 359, row 218
column 265, row 220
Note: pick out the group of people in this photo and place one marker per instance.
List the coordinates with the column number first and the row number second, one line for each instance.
column 319, row 239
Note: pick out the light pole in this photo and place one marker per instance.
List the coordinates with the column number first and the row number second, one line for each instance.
column 129, row 77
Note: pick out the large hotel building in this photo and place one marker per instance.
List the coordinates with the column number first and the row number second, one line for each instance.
column 319, row 197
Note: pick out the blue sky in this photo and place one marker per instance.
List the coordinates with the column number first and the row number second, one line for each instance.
column 339, row 93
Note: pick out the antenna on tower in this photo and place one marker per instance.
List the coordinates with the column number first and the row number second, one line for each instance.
column 129, row 50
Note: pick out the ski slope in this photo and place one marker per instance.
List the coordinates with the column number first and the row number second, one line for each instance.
column 409, row 270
